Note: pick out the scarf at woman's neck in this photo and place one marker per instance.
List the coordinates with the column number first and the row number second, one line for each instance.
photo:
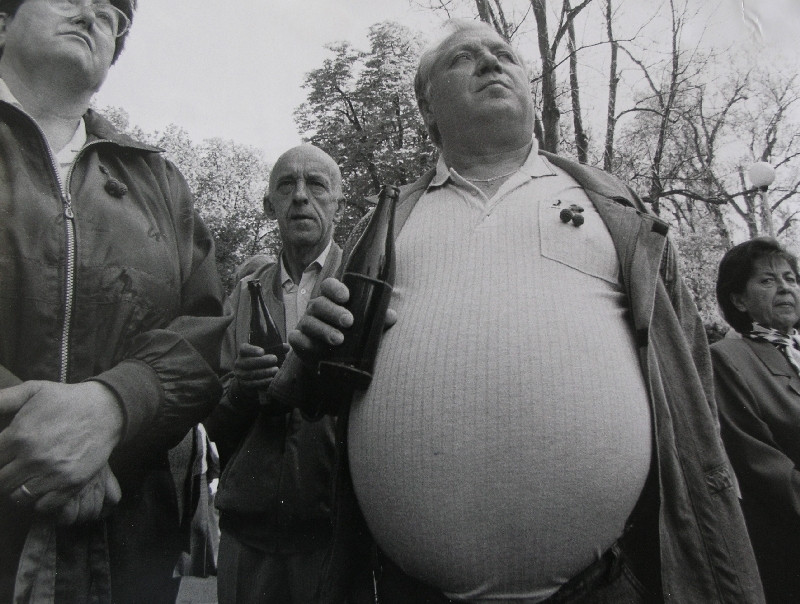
column 788, row 344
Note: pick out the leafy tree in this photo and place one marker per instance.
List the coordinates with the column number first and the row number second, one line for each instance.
column 700, row 253
column 228, row 180
column 361, row 109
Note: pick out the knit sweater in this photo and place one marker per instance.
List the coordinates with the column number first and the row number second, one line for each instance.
column 485, row 463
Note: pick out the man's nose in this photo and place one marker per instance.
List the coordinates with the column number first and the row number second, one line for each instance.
column 300, row 191
column 488, row 62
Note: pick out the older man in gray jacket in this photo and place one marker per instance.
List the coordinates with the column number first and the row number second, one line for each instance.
column 276, row 490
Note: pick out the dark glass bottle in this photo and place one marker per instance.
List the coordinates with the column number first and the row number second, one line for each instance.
column 263, row 332
column 369, row 276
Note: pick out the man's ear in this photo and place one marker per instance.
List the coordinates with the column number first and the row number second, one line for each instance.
column 269, row 211
column 426, row 112
column 340, row 207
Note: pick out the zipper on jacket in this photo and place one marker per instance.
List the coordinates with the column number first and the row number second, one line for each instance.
column 69, row 230
column 69, row 286
column 72, row 256
column 71, row 251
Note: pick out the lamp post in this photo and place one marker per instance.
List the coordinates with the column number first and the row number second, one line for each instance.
column 761, row 176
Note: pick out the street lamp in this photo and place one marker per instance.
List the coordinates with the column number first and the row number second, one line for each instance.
column 761, row 176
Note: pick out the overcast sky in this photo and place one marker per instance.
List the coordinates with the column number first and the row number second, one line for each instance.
column 234, row 69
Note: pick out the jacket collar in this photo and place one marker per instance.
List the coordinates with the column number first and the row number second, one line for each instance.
column 774, row 361
column 408, row 198
column 274, row 297
column 591, row 179
column 99, row 128
column 594, row 179
column 772, row 358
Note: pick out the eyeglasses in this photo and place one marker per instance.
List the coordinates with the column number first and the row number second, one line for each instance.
column 108, row 19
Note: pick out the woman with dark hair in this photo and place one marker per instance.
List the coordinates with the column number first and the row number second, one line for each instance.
column 757, row 384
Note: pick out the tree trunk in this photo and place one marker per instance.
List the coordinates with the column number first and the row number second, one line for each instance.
column 550, row 113
column 483, row 11
column 656, row 184
column 613, row 83
column 719, row 221
column 495, row 17
column 581, row 139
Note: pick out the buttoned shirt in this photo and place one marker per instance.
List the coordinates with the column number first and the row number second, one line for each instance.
column 296, row 296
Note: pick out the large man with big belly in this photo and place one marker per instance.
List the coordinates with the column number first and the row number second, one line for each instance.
column 540, row 425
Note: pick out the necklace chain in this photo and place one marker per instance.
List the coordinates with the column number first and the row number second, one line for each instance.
column 492, row 178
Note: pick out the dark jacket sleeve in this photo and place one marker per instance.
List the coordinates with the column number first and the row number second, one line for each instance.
column 168, row 381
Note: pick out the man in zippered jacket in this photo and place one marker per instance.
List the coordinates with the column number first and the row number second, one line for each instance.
column 540, row 425
column 110, row 315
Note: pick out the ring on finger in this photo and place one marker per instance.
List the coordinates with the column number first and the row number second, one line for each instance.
column 22, row 496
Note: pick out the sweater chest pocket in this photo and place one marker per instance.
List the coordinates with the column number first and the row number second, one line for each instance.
column 586, row 246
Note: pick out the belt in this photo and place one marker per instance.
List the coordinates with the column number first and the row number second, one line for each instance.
column 393, row 586
column 637, row 549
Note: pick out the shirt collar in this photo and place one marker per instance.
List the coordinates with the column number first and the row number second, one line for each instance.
column 67, row 155
column 5, row 95
column 535, row 166
column 316, row 264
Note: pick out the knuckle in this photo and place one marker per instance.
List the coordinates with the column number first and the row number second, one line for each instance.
column 315, row 307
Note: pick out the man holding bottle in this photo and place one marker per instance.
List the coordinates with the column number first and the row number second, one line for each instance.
column 275, row 491
column 110, row 315
column 540, row 425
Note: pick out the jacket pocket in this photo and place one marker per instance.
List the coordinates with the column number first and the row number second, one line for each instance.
column 587, row 248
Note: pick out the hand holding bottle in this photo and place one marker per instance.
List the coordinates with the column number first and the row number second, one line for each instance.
column 320, row 327
column 336, row 342
column 260, row 358
column 254, row 368
column 325, row 316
